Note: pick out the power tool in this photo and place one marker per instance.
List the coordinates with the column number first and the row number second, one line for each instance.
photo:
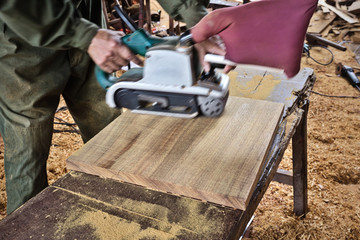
column 171, row 84
column 349, row 74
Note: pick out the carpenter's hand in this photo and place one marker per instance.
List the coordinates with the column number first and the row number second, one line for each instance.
column 265, row 33
column 109, row 53
column 212, row 45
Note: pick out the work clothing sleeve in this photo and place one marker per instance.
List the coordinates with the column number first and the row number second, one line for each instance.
column 267, row 32
column 187, row 11
column 51, row 24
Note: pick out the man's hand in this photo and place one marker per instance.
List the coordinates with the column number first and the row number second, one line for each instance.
column 212, row 45
column 266, row 33
column 109, row 53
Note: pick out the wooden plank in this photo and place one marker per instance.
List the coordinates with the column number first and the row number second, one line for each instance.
column 320, row 21
column 284, row 176
column 281, row 141
column 83, row 206
column 354, row 8
column 212, row 159
column 338, row 12
column 325, row 9
column 269, row 86
column 215, row 4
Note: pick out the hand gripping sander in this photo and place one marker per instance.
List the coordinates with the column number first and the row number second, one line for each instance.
column 171, row 84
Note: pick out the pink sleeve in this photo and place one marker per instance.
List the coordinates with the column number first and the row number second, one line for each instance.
column 268, row 32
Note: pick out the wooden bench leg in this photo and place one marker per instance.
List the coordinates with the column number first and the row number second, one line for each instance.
column 299, row 145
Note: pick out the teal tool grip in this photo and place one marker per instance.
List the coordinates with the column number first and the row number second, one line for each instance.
column 104, row 79
column 140, row 41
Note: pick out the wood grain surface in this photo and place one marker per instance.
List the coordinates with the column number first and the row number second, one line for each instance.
column 212, row 159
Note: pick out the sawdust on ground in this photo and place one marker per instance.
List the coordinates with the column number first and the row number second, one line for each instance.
column 333, row 164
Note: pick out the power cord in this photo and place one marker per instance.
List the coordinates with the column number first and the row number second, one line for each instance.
column 332, row 96
column 307, row 49
column 62, row 122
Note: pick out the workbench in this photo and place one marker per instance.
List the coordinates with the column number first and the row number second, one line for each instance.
column 84, row 206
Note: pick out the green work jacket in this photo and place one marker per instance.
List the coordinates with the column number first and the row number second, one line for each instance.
column 187, row 11
column 73, row 23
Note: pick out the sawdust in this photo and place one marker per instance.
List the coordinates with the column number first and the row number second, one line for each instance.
column 141, row 220
column 107, row 226
column 258, row 87
column 333, row 167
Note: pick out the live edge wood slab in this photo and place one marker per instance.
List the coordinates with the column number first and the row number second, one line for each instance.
column 212, row 159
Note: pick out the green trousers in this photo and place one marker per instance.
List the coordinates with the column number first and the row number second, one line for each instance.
column 31, row 82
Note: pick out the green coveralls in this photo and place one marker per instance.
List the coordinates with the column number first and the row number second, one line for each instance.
column 188, row 11
column 43, row 55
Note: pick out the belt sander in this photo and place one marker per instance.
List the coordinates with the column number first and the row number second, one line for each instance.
column 172, row 83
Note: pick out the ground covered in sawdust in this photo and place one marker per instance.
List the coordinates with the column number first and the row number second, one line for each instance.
column 333, row 164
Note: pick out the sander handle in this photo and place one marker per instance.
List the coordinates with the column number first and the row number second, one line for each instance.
column 220, row 61
column 139, row 41
column 105, row 79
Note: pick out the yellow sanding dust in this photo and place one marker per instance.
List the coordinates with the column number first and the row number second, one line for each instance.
column 106, row 226
column 258, row 87
column 110, row 227
column 193, row 221
column 160, row 221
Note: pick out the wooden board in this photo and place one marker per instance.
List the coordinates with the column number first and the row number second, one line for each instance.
column 320, row 21
column 212, row 159
column 354, row 8
column 269, row 86
column 339, row 12
column 74, row 208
